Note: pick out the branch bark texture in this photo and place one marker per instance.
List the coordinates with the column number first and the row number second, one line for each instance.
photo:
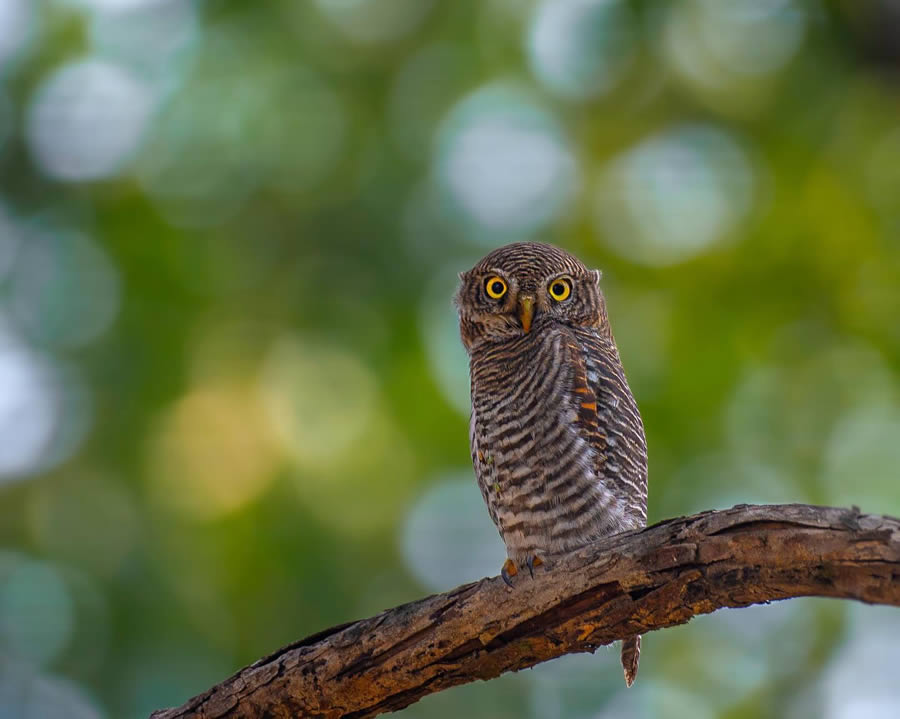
column 629, row 584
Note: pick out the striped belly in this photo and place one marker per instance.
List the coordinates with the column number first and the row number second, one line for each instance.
column 536, row 472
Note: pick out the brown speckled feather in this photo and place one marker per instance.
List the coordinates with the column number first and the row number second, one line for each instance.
column 615, row 426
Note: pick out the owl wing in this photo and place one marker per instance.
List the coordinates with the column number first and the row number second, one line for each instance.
column 609, row 418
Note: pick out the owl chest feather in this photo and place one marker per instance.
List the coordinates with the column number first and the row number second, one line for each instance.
column 537, row 467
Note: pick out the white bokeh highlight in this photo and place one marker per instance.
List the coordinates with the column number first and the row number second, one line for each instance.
column 118, row 6
column 578, row 49
column 197, row 166
column 147, row 37
column 720, row 480
column 861, row 679
column 16, row 23
column 716, row 45
column 45, row 410
column 373, row 22
column 448, row 538
column 37, row 614
column 439, row 326
column 862, row 459
column 65, row 289
column 25, row 694
column 577, row 686
column 747, row 647
column 504, row 164
column 86, row 120
column 28, row 407
column 674, row 196
column 778, row 414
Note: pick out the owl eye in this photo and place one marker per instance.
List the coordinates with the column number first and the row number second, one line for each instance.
column 495, row 287
column 560, row 289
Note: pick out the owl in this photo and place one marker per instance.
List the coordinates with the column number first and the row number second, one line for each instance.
column 557, row 441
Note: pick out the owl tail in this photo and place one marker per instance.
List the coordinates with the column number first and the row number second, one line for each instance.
column 631, row 654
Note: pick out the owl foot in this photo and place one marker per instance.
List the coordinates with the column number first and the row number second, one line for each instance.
column 510, row 569
column 532, row 562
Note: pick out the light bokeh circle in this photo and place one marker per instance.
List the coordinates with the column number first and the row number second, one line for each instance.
column 86, row 120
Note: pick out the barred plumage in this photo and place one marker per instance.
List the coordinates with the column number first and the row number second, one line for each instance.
column 557, row 440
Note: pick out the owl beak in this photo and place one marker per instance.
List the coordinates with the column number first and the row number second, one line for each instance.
column 526, row 312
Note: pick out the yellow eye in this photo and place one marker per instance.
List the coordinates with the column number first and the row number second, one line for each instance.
column 560, row 289
column 495, row 287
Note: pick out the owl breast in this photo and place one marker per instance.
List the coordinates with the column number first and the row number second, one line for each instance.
column 535, row 459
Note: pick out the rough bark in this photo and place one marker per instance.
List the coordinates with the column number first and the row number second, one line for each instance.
column 629, row 584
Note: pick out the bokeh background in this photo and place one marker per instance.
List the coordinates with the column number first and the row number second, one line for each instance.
column 233, row 404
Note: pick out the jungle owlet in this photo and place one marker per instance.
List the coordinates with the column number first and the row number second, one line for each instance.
column 557, row 441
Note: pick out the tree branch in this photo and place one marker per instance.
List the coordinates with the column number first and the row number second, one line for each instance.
column 628, row 584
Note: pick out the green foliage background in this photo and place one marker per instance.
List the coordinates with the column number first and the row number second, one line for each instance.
column 232, row 401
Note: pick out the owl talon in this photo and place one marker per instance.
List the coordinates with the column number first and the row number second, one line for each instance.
column 508, row 571
column 532, row 562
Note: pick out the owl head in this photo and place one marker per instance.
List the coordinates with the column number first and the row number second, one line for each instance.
column 525, row 287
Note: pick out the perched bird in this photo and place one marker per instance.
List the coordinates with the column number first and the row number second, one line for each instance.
column 556, row 437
